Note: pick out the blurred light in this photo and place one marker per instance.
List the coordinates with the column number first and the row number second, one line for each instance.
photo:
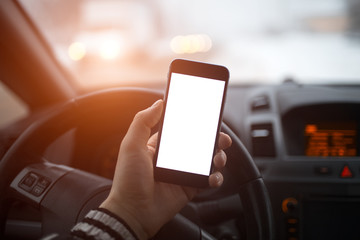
column 76, row 51
column 110, row 49
column 191, row 44
column 310, row 129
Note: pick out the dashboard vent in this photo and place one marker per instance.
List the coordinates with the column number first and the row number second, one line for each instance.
column 261, row 102
column 262, row 140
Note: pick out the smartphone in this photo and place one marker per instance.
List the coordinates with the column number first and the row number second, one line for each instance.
column 191, row 121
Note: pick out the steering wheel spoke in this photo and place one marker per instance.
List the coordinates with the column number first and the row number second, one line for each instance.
column 35, row 180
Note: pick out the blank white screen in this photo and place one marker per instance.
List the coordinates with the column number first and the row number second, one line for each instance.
column 190, row 123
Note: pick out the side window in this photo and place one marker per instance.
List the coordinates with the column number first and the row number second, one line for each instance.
column 12, row 108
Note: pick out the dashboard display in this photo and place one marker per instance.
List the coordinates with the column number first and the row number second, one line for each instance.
column 331, row 139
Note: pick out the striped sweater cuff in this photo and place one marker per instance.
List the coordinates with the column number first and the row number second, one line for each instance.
column 102, row 224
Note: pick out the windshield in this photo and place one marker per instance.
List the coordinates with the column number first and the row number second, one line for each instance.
column 114, row 42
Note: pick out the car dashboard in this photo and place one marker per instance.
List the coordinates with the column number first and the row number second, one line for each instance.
column 305, row 141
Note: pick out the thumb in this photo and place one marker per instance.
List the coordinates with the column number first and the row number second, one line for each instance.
column 140, row 128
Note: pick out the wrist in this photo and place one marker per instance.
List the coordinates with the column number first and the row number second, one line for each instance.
column 127, row 217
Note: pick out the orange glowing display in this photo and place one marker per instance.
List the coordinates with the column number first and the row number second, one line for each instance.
column 330, row 140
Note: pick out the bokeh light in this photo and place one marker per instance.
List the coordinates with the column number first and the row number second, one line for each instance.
column 110, row 49
column 189, row 44
column 77, row 51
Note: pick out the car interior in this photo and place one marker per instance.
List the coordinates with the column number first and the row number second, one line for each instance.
column 74, row 73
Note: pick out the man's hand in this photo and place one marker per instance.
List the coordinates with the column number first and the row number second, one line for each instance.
column 144, row 204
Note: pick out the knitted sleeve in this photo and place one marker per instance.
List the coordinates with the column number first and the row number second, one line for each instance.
column 102, row 224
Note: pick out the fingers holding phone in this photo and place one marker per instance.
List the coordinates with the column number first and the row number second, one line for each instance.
column 189, row 130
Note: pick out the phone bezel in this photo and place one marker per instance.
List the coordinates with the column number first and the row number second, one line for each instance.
column 200, row 69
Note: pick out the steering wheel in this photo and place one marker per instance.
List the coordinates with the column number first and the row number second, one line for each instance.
column 64, row 195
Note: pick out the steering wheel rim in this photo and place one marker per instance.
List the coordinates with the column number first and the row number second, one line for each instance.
column 25, row 151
